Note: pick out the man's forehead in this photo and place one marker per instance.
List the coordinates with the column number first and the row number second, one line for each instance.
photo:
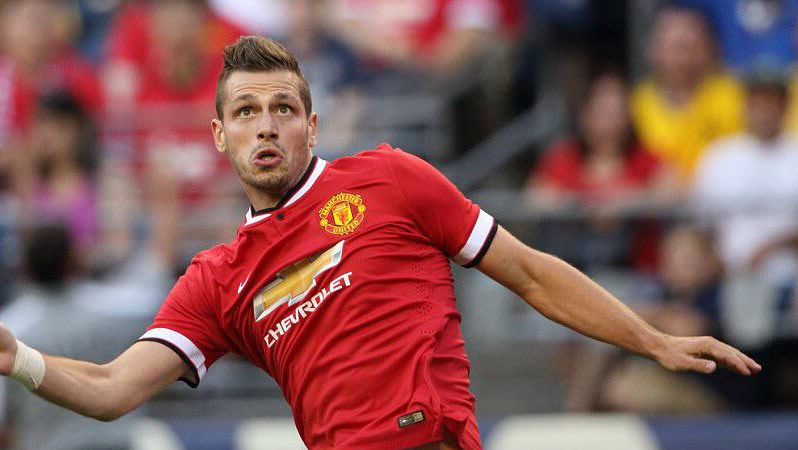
column 246, row 84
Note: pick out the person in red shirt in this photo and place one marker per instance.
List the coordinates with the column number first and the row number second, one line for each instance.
column 41, row 61
column 604, row 163
column 436, row 37
column 338, row 285
column 164, row 60
column 35, row 61
column 607, row 173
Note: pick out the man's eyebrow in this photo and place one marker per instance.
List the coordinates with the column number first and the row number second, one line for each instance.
column 284, row 96
column 243, row 97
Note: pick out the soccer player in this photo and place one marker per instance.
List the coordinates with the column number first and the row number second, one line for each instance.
column 338, row 285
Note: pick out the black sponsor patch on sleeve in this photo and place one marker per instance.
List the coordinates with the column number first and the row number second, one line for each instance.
column 411, row 419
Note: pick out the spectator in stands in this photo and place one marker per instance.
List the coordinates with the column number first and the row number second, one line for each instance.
column 684, row 300
column 687, row 101
column 55, row 173
column 161, row 80
column 607, row 171
column 36, row 58
column 161, row 48
column 48, row 312
column 746, row 189
column 689, row 284
column 435, row 37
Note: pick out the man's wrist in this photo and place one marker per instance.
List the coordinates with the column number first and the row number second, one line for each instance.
column 28, row 367
column 654, row 345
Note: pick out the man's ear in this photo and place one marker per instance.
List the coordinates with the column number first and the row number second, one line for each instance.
column 218, row 135
column 312, row 128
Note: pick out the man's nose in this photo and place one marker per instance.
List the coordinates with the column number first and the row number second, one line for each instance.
column 267, row 129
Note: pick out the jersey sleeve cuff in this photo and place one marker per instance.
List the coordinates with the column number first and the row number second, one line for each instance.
column 478, row 241
column 184, row 348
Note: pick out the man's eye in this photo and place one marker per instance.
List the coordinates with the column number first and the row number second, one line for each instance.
column 245, row 112
column 284, row 109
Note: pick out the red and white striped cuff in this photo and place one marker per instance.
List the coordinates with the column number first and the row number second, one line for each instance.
column 184, row 348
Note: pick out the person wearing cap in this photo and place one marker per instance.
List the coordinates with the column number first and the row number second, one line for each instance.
column 746, row 189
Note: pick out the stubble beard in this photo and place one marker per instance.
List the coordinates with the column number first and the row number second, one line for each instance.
column 271, row 181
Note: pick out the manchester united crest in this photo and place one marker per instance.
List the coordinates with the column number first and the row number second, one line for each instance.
column 342, row 213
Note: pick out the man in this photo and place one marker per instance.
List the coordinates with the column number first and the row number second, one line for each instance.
column 164, row 56
column 338, row 285
column 686, row 102
column 746, row 191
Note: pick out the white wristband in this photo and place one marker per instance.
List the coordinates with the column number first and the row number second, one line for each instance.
column 28, row 367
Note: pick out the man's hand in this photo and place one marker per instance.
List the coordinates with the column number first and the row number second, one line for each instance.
column 703, row 354
column 8, row 350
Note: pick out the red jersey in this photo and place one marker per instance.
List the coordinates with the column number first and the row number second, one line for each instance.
column 343, row 293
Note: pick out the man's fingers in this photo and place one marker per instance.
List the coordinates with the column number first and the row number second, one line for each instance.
column 706, row 365
column 753, row 365
column 698, row 365
column 704, row 354
column 728, row 359
column 727, row 356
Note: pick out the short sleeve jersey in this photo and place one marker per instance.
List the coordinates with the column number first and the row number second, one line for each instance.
column 343, row 293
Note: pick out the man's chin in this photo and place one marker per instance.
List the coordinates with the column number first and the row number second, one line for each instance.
column 271, row 182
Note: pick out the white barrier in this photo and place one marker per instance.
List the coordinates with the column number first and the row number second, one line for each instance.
column 272, row 434
column 151, row 434
column 571, row 432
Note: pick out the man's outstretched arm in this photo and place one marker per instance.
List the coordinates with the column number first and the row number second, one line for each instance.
column 101, row 391
column 565, row 295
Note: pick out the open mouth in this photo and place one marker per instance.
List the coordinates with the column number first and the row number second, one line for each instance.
column 268, row 157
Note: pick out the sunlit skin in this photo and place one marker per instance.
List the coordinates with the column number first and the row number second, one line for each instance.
column 266, row 133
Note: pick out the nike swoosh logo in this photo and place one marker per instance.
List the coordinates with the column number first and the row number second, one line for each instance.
column 241, row 286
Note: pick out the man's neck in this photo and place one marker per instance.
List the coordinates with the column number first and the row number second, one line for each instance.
column 265, row 201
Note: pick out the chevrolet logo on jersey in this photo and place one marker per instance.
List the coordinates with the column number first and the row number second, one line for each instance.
column 295, row 281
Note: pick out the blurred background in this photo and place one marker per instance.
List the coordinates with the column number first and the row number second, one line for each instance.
column 648, row 142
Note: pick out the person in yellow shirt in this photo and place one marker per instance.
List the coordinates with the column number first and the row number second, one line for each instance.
column 687, row 101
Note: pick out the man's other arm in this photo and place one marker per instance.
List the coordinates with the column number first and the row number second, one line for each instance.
column 102, row 391
column 565, row 295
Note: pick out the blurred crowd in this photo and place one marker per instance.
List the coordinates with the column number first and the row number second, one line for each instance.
column 676, row 163
column 686, row 177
